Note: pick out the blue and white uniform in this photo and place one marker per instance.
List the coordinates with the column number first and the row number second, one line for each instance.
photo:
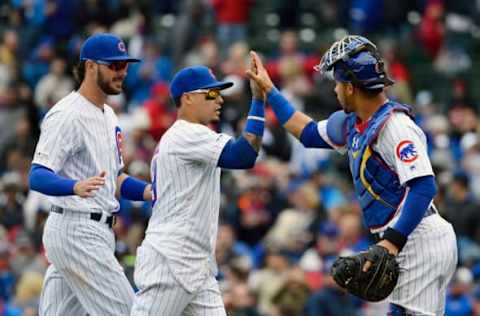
column 384, row 154
column 175, row 268
column 79, row 140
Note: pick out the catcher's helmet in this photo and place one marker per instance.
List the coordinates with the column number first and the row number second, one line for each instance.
column 356, row 60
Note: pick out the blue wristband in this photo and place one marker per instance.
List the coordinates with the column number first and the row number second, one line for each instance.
column 133, row 189
column 256, row 118
column 282, row 108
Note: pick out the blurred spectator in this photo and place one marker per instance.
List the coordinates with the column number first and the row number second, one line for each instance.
column 154, row 67
column 38, row 63
column 239, row 301
column 431, row 31
column 316, row 259
column 11, row 201
column 267, row 281
column 365, row 15
column 291, row 298
column 159, row 110
column 9, row 50
column 231, row 17
column 53, row 86
column 461, row 209
column 330, row 299
column 459, row 302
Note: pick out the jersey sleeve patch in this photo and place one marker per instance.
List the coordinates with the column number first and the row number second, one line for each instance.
column 406, row 151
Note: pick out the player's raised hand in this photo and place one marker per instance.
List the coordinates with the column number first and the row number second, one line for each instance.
column 261, row 76
column 88, row 187
column 257, row 92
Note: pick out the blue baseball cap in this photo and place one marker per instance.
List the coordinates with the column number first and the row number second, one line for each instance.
column 105, row 47
column 194, row 78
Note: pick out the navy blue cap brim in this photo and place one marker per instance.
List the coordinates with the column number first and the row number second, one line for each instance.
column 219, row 85
column 122, row 58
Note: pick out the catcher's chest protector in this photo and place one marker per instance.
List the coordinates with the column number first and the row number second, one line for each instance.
column 376, row 186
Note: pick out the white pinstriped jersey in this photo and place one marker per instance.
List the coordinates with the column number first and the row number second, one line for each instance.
column 184, row 221
column 78, row 140
column 398, row 132
column 429, row 257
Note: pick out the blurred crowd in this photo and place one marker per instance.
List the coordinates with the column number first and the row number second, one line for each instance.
column 283, row 222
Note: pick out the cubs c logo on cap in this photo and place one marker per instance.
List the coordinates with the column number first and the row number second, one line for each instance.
column 121, row 47
column 406, row 151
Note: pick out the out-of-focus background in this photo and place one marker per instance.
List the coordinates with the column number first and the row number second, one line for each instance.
column 283, row 222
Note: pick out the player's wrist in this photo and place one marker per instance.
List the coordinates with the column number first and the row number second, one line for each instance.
column 395, row 237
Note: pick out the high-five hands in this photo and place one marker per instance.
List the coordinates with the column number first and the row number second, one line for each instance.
column 257, row 91
column 260, row 76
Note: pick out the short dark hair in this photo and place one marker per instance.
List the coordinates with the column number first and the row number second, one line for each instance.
column 177, row 101
column 79, row 71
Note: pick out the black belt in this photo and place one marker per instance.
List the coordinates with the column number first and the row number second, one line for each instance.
column 110, row 220
column 430, row 211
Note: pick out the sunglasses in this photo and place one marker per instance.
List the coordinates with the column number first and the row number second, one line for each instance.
column 210, row 94
column 113, row 65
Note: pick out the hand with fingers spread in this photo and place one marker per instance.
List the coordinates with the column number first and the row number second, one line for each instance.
column 261, row 76
column 88, row 187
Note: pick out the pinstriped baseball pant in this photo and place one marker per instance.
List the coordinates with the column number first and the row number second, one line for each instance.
column 161, row 294
column 427, row 263
column 84, row 277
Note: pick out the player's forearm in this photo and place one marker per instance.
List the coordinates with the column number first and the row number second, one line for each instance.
column 254, row 141
column 147, row 193
column 421, row 192
column 46, row 181
column 133, row 189
column 255, row 125
column 293, row 121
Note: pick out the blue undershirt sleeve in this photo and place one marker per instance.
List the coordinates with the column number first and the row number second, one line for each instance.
column 311, row 138
column 420, row 195
column 133, row 189
column 281, row 107
column 237, row 154
column 44, row 180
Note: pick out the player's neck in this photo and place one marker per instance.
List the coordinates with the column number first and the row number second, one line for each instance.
column 366, row 107
column 93, row 94
column 188, row 116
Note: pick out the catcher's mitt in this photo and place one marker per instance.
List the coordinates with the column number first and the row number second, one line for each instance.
column 375, row 284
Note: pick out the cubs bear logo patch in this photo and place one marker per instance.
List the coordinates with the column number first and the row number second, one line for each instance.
column 406, row 151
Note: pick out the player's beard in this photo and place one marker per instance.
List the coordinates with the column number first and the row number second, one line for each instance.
column 106, row 85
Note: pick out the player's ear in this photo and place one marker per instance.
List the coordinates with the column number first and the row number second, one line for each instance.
column 186, row 98
column 349, row 88
column 89, row 65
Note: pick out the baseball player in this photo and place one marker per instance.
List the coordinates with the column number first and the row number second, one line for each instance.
column 392, row 175
column 175, row 268
column 78, row 164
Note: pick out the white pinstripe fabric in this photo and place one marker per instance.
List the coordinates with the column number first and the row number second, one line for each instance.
column 182, row 230
column 428, row 262
column 78, row 141
column 429, row 258
column 82, row 254
column 399, row 127
column 164, row 295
